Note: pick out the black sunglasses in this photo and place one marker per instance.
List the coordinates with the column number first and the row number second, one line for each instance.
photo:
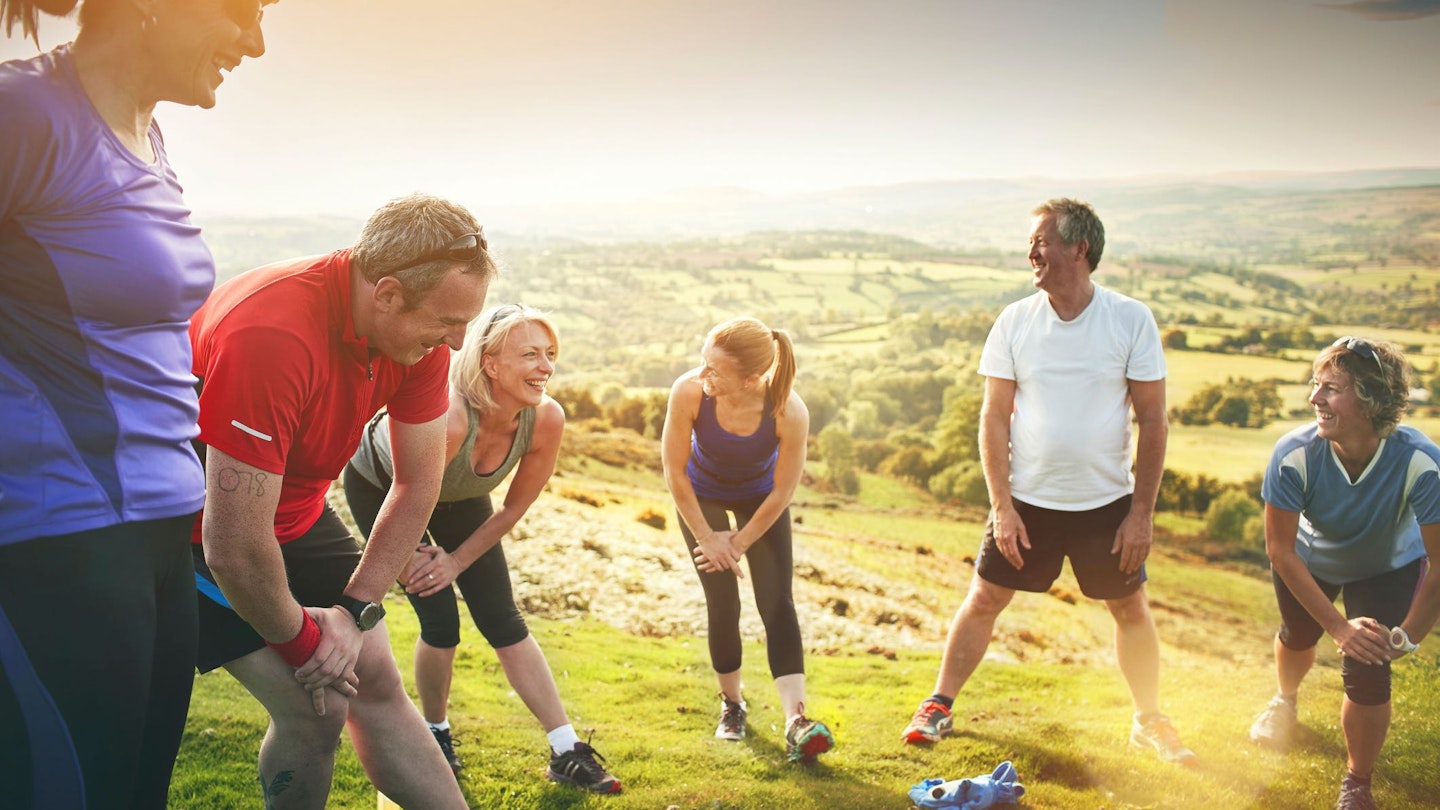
column 466, row 248
column 500, row 313
column 1362, row 347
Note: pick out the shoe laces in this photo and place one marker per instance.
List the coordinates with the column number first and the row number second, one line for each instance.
column 931, row 711
column 585, row 755
column 732, row 716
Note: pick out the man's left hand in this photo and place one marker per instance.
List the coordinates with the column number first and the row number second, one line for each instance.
column 1132, row 541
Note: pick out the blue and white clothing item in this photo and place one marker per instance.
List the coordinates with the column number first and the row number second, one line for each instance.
column 1353, row 530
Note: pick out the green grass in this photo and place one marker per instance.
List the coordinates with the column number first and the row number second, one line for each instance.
column 652, row 704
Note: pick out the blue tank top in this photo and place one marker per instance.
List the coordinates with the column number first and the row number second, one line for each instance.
column 727, row 467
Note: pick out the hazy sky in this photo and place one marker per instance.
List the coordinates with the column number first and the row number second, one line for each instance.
column 526, row 101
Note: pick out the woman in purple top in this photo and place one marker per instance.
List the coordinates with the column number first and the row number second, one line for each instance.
column 100, row 270
column 734, row 444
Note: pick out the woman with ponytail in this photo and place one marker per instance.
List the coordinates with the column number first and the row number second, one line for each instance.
column 734, row 444
column 100, row 271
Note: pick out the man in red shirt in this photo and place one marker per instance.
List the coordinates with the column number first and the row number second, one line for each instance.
column 293, row 359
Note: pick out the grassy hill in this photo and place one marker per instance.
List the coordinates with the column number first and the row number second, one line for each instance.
column 620, row 616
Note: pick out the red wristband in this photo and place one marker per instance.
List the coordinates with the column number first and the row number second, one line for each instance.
column 298, row 650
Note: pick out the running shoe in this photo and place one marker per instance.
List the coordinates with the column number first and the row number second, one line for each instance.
column 1354, row 795
column 732, row 720
column 447, row 747
column 806, row 739
column 931, row 722
column 579, row 767
column 1157, row 733
column 1275, row 725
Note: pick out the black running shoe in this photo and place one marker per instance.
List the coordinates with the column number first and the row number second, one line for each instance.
column 579, row 767
column 447, row 747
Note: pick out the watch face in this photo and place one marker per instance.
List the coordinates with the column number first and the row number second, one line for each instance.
column 370, row 616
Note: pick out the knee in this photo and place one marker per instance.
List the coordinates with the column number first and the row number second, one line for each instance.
column 985, row 599
column 1132, row 610
column 317, row 733
column 1366, row 684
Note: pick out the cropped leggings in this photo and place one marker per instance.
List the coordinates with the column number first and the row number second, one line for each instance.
column 1385, row 598
column 485, row 584
column 772, row 566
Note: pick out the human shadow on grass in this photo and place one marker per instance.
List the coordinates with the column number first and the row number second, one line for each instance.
column 828, row 785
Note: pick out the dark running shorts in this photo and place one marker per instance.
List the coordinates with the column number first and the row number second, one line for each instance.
column 318, row 564
column 1085, row 537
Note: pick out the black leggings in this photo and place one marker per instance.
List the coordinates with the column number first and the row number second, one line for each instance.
column 1385, row 598
column 97, row 657
column 485, row 584
column 772, row 566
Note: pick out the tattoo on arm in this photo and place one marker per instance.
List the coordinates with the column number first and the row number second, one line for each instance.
column 232, row 480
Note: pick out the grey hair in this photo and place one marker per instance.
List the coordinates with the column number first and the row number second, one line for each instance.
column 413, row 226
column 1077, row 222
column 486, row 335
column 1383, row 387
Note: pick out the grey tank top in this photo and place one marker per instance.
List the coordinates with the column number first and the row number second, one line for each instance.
column 460, row 482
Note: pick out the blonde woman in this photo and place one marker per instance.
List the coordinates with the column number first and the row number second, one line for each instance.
column 734, row 444
column 500, row 420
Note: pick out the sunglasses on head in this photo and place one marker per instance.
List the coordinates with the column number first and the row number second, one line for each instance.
column 1362, row 347
column 466, row 248
column 500, row 313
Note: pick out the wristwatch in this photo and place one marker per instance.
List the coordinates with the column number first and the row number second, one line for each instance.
column 367, row 614
column 1400, row 640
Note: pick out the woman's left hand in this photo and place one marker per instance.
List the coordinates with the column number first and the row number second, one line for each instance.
column 432, row 571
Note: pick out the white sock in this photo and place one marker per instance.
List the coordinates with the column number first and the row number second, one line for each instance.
column 563, row 738
column 443, row 725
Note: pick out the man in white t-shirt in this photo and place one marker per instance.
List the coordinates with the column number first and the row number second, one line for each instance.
column 1062, row 369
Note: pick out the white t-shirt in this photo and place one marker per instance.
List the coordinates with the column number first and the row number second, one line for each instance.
column 1070, row 432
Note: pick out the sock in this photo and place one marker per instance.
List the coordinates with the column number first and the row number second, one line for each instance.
column 947, row 702
column 563, row 739
column 443, row 725
column 1288, row 698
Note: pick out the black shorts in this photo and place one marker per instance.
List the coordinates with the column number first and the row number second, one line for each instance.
column 318, row 564
column 1085, row 537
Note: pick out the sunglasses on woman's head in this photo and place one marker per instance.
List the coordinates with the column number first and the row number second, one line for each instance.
column 466, row 248
column 500, row 313
column 1362, row 347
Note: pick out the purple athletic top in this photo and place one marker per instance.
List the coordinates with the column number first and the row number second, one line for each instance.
column 727, row 467
column 100, row 270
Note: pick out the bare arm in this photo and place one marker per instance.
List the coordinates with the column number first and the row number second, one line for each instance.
column 244, row 556
column 675, row 455
column 534, row 470
column 995, row 413
column 1425, row 610
column 240, row 545
column 792, row 430
column 418, row 452
column 1361, row 638
column 1136, row 533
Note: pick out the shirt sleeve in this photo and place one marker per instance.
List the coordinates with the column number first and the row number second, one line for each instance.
column 27, row 151
column 1147, row 353
column 1425, row 492
column 1284, row 484
column 425, row 393
column 252, row 393
column 997, row 359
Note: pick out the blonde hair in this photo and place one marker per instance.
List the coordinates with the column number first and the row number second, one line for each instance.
column 486, row 335
column 1382, row 382
column 758, row 349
